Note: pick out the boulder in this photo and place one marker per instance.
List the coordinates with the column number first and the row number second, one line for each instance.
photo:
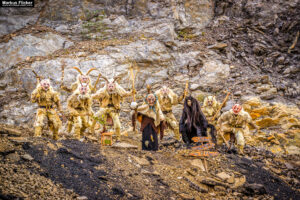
column 198, row 163
column 213, row 72
column 223, row 175
column 20, row 47
column 124, row 145
column 141, row 161
column 27, row 157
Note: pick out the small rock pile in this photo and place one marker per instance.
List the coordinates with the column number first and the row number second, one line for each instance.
column 279, row 126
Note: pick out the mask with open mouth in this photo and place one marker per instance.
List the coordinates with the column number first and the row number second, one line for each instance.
column 45, row 84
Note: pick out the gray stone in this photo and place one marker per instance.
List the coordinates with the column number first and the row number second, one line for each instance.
column 217, row 46
column 238, row 93
column 82, row 198
column 198, row 163
column 223, row 175
column 194, row 86
column 13, row 23
column 141, row 161
column 124, row 145
column 20, row 47
column 213, row 72
column 27, row 157
column 13, row 157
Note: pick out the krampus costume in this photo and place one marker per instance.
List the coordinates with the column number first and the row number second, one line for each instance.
column 210, row 108
column 47, row 100
column 82, row 79
column 235, row 122
column 152, row 121
column 167, row 98
column 80, row 109
column 193, row 122
column 110, row 97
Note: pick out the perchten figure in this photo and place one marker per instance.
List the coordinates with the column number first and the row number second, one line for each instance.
column 48, row 102
column 110, row 97
column 210, row 108
column 235, row 122
column 80, row 110
column 82, row 79
column 167, row 98
column 152, row 121
column 193, row 122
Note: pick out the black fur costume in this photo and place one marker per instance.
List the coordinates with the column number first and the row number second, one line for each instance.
column 193, row 122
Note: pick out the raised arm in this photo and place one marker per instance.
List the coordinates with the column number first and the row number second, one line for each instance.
column 35, row 95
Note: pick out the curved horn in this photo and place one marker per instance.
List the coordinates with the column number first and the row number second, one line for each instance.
column 104, row 78
column 117, row 78
column 149, row 89
column 78, row 70
column 90, row 70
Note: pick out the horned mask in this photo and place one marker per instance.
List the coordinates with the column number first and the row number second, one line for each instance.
column 83, row 93
column 210, row 101
column 111, row 84
column 165, row 91
column 45, row 84
column 84, row 79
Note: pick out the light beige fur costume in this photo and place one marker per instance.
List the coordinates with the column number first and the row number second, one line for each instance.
column 210, row 110
column 80, row 109
column 236, row 124
column 110, row 105
column 47, row 102
column 166, row 104
column 77, row 83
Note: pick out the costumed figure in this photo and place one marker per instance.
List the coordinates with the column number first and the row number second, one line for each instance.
column 79, row 109
column 82, row 79
column 193, row 122
column 167, row 98
column 152, row 121
column 48, row 102
column 234, row 122
column 210, row 108
column 110, row 97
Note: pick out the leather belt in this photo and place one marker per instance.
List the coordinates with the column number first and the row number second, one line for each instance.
column 47, row 107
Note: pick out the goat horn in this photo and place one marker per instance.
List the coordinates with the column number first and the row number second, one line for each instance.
column 78, row 70
column 90, row 70
column 116, row 78
column 105, row 78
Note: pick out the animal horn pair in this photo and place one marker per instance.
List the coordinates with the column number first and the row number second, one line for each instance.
column 116, row 78
column 90, row 70
column 104, row 78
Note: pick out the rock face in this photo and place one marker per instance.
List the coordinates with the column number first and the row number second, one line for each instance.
column 279, row 125
column 13, row 19
column 20, row 47
column 171, row 42
column 152, row 27
column 213, row 72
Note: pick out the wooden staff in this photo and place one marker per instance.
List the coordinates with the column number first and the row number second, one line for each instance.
column 186, row 89
column 62, row 74
column 132, row 77
column 97, row 81
column 223, row 103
